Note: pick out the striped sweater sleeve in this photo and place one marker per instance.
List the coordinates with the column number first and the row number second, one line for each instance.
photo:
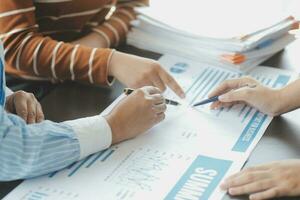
column 28, row 51
column 116, row 27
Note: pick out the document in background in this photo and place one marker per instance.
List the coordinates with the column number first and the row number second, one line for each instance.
column 233, row 34
column 185, row 157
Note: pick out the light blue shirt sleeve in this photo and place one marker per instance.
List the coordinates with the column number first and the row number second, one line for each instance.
column 28, row 151
column 31, row 150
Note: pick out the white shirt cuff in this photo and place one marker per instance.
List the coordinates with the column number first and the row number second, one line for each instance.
column 8, row 91
column 93, row 133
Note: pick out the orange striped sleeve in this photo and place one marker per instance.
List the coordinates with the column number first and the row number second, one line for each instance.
column 115, row 29
column 29, row 52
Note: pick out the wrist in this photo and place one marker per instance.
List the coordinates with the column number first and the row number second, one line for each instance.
column 282, row 102
column 278, row 102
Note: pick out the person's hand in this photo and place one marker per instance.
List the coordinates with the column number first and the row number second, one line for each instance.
column 136, row 72
column 26, row 106
column 136, row 113
column 267, row 181
column 249, row 91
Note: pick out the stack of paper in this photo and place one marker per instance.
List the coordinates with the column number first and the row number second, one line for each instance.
column 224, row 33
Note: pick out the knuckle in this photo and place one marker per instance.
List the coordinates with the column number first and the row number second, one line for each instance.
column 261, row 184
column 266, row 183
column 140, row 92
column 164, row 107
column 155, row 65
column 248, row 78
column 20, row 93
column 23, row 112
column 158, row 90
column 250, row 176
column 148, row 102
column 31, row 114
column 40, row 116
column 31, row 95
column 161, row 117
column 232, row 182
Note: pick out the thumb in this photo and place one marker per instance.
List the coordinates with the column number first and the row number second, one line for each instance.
column 236, row 95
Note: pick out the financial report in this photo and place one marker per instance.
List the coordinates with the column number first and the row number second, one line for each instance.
column 186, row 157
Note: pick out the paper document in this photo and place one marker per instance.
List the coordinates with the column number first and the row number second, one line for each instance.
column 185, row 157
column 237, row 128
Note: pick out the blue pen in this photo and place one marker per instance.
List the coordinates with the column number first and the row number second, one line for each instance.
column 216, row 98
column 206, row 101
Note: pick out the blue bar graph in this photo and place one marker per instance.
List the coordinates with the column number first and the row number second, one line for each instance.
column 96, row 158
column 70, row 166
column 53, row 174
column 247, row 114
column 200, row 76
column 207, row 84
column 107, row 155
column 214, row 84
column 202, row 86
column 200, row 82
column 79, row 166
column 242, row 110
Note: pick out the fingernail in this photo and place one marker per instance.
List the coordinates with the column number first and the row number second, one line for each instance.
column 223, row 186
column 217, row 107
column 182, row 95
column 223, row 97
column 231, row 191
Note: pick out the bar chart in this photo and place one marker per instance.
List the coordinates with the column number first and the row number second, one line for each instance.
column 87, row 162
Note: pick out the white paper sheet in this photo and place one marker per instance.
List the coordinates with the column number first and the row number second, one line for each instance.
column 185, row 157
column 238, row 128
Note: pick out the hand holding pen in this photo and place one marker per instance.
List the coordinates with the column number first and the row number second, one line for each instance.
column 251, row 92
column 213, row 99
column 128, row 91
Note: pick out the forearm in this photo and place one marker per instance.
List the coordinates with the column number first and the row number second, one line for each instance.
column 28, row 51
column 290, row 97
column 92, row 40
